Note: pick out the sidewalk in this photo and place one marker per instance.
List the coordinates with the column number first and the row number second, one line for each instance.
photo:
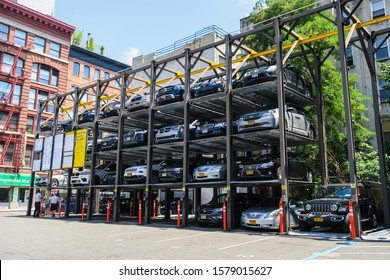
column 379, row 235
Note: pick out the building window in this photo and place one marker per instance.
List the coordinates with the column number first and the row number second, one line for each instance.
column 76, row 68
column 55, row 49
column 4, row 32
column 6, row 63
column 116, row 83
column 106, row 75
column 5, row 89
column 39, row 44
column 8, row 155
column 13, row 124
column 44, row 74
column 377, row 8
column 28, row 156
column 383, row 47
column 20, row 37
column 33, row 100
column 97, row 74
column 30, row 125
column 384, row 93
column 87, row 71
column 349, row 52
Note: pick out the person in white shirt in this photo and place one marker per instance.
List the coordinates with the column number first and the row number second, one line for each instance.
column 37, row 204
column 53, row 204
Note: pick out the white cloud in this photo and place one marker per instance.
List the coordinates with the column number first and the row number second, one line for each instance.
column 129, row 54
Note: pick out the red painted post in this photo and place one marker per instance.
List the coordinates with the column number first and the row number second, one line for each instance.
column 140, row 212
column 281, row 225
column 40, row 210
column 351, row 220
column 178, row 213
column 82, row 210
column 131, row 208
column 224, row 215
column 108, row 210
column 154, row 208
column 59, row 209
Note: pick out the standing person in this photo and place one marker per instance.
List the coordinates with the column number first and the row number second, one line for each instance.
column 37, row 204
column 53, row 204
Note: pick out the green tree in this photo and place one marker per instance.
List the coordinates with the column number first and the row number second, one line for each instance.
column 102, row 50
column 77, row 37
column 90, row 44
column 332, row 88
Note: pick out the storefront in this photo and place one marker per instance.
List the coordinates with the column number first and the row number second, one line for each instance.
column 14, row 190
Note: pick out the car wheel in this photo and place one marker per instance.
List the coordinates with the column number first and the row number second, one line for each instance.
column 310, row 133
column 345, row 227
column 54, row 183
column 60, row 128
column 154, row 179
column 307, row 92
column 190, row 178
column 309, row 176
column 373, row 223
column 304, row 226
column 279, row 173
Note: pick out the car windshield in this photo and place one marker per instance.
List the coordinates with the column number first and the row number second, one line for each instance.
column 217, row 200
column 268, row 157
column 334, row 192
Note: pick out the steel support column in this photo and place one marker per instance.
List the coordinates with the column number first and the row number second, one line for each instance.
column 348, row 114
column 186, row 138
column 229, row 132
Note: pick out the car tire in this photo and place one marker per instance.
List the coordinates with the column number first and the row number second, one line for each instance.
column 155, row 179
column 54, row 183
column 373, row 222
column 279, row 173
column 304, row 226
column 310, row 133
column 309, row 176
column 307, row 92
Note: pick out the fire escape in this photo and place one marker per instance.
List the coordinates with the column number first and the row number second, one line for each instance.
column 17, row 138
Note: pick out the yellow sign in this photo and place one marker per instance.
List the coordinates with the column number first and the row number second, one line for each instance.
column 284, row 187
column 80, row 149
column 228, row 188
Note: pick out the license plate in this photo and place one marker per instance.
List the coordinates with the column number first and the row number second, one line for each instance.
column 104, row 144
column 252, row 222
column 203, row 217
column 77, row 181
column 249, row 172
column 318, row 220
column 201, row 175
column 129, row 175
column 81, row 118
column 108, row 110
column 251, row 122
column 128, row 139
column 164, row 174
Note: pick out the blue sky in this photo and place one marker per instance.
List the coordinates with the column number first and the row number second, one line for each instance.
column 127, row 28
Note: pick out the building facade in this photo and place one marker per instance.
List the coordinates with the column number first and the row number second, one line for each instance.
column 34, row 50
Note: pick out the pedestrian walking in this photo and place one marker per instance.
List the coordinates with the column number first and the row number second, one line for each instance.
column 53, row 204
column 37, row 204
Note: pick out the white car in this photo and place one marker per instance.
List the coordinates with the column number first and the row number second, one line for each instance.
column 57, row 180
column 80, row 178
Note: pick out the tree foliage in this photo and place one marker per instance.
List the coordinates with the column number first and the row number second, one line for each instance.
column 102, row 50
column 90, row 44
column 313, row 25
column 77, row 37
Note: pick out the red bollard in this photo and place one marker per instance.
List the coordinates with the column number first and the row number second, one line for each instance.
column 281, row 225
column 82, row 210
column 351, row 220
column 224, row 216
column 59, row 209
column 140, row 212
column 40, row 210
column 178, row 213
column 108, row 210
column 154, row 208
column 131, row 208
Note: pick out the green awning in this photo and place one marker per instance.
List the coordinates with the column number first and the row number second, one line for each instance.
column 15, row 180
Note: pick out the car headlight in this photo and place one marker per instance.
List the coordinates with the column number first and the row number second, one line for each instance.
column 272, row 214
column 217, row 211
column 333, row 207
column 272, row 69
column 175, row 128
column 216, row 167
column 178, row 169
column 247, row 74
column 307, row 207
column 343, row 209
column 241, row 166
column 267, row 165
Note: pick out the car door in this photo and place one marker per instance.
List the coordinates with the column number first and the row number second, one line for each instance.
column 298, row 122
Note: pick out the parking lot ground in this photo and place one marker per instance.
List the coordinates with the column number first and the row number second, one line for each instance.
column 27, row 238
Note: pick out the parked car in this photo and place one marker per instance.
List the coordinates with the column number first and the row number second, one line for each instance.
column 175, row 132
column 47, row 126
column 86, row 116
column 138, row 102
column 59, row 180
column 80, row 178
column 330, row 207
column 266, row 214
column 268, row 118
column 174, row 205
column 124, row 206
column 134, row 138
column 213, row 86
column 291, row 76
column 173, row 172
column 211, row 212
column 217, row 171
column 169, row 94
column 65, row 126
column 138, row 174
column 84, row 177
column 268, row 167
column 109, row 177
column 109, row 142
column 112, row 109
column 72, row 206
column 89, row 145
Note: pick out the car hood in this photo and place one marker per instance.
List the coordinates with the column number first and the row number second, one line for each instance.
column 329, row 200
column 260, row 210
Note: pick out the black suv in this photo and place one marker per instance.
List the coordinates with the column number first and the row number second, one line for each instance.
column 211, row 212
column 330, row 207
